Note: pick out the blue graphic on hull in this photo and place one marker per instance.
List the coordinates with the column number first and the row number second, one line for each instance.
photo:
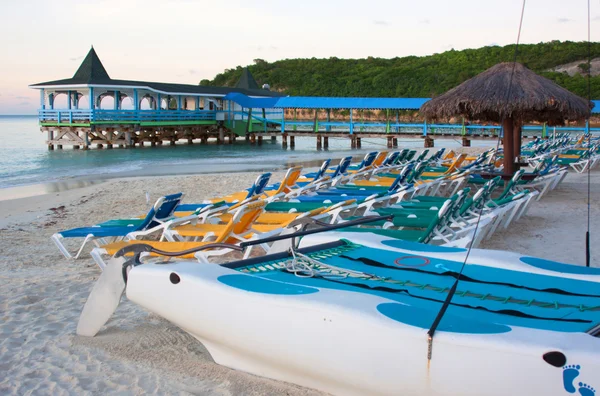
column 423, row 318
column 570, row 372
column 262, row 285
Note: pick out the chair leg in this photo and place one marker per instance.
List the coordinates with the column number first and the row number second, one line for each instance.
column 97, row 254
column 57, row 239
column 85, row 241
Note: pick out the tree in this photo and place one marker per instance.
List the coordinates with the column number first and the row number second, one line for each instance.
column 412, row 76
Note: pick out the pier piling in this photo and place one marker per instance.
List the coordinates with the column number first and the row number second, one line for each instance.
column 466, row 142
column 326, row 143
column 395, row 142
column 284, row 141
column 292, row 142
column 429, row 143
column 319, row 142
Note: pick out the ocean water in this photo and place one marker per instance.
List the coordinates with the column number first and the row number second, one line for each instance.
column 25, row 159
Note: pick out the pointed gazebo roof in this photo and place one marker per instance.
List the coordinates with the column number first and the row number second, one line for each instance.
column 92, row 70
column 247, row 80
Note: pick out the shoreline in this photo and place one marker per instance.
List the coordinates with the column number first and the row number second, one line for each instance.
column 174, row 170
column 37, row 189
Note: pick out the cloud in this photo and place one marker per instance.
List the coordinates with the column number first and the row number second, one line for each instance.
column 494, row 44
column 22, row 97
column 381, row 23
column 596, row 18
column 564, row 20
column 76, row 58
column 23, row 104
column 425, row 21
column 274, row 48
column 193, row 71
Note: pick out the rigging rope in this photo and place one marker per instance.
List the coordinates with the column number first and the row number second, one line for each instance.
column 589, row 97
column 440, row 315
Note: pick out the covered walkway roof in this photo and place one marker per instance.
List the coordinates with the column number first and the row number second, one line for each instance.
column 308, row 102
column 319, row 102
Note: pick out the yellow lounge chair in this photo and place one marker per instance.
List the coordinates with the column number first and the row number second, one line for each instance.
column 288, row 184
column 238, row 228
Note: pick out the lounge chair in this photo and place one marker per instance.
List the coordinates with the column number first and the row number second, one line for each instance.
column 161, row 212
column 256, row 189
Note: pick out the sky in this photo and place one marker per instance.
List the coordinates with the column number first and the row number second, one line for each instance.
column 185, row 41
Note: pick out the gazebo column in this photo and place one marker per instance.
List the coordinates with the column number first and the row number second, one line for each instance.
column 509, row 152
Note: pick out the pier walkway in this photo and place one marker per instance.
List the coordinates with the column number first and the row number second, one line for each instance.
column 105, row 112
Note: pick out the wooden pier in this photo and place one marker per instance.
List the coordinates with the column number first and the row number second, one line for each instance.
column 102, row 112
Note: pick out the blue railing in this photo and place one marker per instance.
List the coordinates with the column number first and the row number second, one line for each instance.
column 74, row 116
column 86, row 115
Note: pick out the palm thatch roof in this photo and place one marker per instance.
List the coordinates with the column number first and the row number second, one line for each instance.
column 487, row 97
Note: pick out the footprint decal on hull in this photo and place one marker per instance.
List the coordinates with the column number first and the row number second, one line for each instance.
column 586, row 390
column 570, row 372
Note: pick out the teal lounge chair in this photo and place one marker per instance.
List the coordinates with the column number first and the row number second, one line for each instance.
column 162, row 211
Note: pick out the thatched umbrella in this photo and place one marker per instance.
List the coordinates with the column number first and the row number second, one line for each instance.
column 487, row 97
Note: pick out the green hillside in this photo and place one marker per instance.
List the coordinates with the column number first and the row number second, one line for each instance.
column 413, row 76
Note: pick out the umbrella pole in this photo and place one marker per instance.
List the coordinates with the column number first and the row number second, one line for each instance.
column 509, row 152
column 517, row 131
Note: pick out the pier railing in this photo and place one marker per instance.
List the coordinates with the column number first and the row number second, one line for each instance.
column 382, row 127
column 75, row 116
column 272, row 123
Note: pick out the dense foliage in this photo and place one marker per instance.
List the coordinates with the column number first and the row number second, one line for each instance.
column 414, row 76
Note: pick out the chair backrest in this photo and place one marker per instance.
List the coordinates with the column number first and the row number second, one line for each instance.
column 440, row 220
column 418, row 169
column 411, row 155
column 379, row 159
column 401, row 179
column 457, row 163
column 422, row 156
column 162, row 210
column 402, row 156
column 437, row 155
column 342, row 167
column 391, row 158
column 368, row 160
column 322, row 169
column 289, row 180
column 243, row 219
column 259, row 185
column 511, row 183
column 461, row 199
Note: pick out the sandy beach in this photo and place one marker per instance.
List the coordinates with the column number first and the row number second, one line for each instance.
column 140, row 353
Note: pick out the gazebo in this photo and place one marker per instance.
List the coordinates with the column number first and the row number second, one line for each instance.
column 510, row 94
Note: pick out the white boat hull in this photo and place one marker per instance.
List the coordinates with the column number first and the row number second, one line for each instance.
column 339, row 342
